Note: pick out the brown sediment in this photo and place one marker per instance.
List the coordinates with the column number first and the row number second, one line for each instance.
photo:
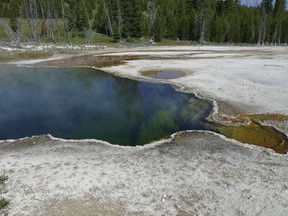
column 99, row 61
column 102, row 61
column 163, row 73
column 253, row 132
column 247, row 118
column 258, row 134
column 25, row 142
column 90, row 60
column 263, row 117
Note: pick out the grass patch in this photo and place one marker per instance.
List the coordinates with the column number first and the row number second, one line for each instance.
column 102, row 39
column 27, row 55
column 3, row 203
column 169, row 42
column 76, row 37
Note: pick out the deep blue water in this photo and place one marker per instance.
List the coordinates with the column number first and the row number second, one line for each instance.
column 81, row 103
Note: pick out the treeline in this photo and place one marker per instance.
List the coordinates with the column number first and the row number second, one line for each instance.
column 220, row 21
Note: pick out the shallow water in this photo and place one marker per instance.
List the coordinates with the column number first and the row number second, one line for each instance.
column 253, row 133
column 81, row 103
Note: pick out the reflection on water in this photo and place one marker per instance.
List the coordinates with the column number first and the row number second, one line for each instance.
column 84, row 103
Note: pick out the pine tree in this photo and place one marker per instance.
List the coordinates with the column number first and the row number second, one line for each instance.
column 278, row 15
column 266, row 8
column 14, row 14
column 99, row 20
column 247, row 27
column 158, row 28
column 1, row 10
column 82, row 21
column 183, row 20
column 218, row 29
column 71, row 15
column 192, row 25
column 284, row 33
column 131, row 18
column 203, row 18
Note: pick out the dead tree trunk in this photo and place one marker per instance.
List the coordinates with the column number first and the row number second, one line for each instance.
column 43, row 26
column 108, row 20
column 279, row 35
column 9, row 32
column 264, row 30
column 88, row 32
column 64, row 17
column 50, row 31
column 120, row 20
column 260, row 31
column 202, row 27
column 34, row 18
column 56, row 18
column 266, row 8
column 202, row 19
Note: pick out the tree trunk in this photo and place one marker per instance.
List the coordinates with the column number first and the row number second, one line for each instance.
column 50, row 31
column 260, row 30
column 264, row 30
column 64, row 17
column 274, row 38
column 10, row 33
column 34, row 17
column 279, row 35
column 202, row 25
column 56, row 18
column 108, row 20
column 120, row 20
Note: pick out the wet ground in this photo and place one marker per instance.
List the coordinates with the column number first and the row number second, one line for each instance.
column 163, row 74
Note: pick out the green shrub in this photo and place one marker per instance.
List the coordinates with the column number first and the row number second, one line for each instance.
column 3, row 203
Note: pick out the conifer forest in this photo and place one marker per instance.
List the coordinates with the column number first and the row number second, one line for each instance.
column 215, row 21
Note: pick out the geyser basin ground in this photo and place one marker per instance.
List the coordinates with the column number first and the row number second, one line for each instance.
column 83, row 103
column 195, row 173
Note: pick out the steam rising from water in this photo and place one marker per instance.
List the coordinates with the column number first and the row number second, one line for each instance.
column 84, row 103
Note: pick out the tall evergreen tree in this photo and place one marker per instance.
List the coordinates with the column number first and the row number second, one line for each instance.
column 202, row 20
column 266, row 8
column 278, row 15
column 158, row 28
column 82, row 20
column 14, row 14
column 131, row 18
column 247, row 27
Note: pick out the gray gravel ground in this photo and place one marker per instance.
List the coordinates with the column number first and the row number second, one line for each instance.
column 195, row 173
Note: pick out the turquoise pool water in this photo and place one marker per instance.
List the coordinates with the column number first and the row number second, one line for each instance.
column 82, row 103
